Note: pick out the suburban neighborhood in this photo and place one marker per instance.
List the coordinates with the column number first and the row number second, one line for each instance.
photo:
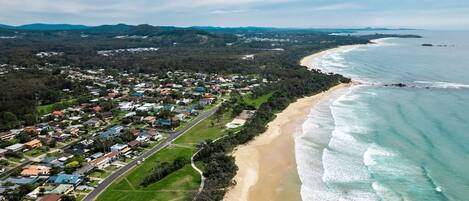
column 78, row 142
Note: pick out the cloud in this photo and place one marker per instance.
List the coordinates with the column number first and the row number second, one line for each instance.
column 230, row 11
column 283, row 13
column 338, row 6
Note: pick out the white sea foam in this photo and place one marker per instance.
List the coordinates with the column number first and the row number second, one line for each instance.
column 330, row 152
column 385, row 193
column 309, row 146
column 374, row 151
column 442, row 85
column 342, row 159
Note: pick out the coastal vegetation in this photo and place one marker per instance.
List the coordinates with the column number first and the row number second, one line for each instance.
column 220, row 169
column 34, row 81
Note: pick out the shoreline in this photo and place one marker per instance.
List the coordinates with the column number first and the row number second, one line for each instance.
column 274, row 176
column 311, row 60
column 258, row 178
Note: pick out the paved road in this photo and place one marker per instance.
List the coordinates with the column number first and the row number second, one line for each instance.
column 30, row 161
column 106, row 182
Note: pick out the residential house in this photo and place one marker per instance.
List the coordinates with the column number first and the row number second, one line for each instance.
column 15, row 148
column 199, row 89
column 35, row 170
column 51, row 197
column 52, row 161
column 169, row 107
column 57, row 114
column 130, row 114
column 97, row 109
column 47, row 140
column 83, row 170
column 181, row 116
column 93, row 122
column 142, row 138
column 133, row 144
column 126, row 106
column 33, row 194
column 33, row 144
column 73, row 179
column 3, row 152
column 149, row 119
column 62, row 189
column 104, row 161
column 206, row 101
column 166, row 122
column 22, row 180
column 118, row 147
column 31, row 130
column 85, row 144
column 96, row 155
column 147, row 107
column 112, row 132
column 7, row 135
column 136, row 94
column 75, row 151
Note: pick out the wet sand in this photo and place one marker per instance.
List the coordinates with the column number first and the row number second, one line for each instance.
column 267, row 165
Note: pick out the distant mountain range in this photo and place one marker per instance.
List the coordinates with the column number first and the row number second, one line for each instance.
column 126, row 28
column 45, row 27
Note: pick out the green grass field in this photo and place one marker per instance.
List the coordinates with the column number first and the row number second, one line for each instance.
column 177, row 186
column 256, row 102
column 45, row 109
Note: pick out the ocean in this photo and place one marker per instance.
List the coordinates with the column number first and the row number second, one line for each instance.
column 378, row 142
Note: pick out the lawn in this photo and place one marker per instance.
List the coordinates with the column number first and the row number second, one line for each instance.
column 118, row 117
column 45, row 109
column 178, row 185
column 36, row 152
column 103, row 173
column 256, row 102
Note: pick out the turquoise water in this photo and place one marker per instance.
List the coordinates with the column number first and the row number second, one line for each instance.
column 373, row 142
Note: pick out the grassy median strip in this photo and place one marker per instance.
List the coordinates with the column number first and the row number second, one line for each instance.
column 181, row 183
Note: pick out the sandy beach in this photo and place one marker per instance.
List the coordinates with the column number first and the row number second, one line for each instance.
column 267, row 165
column 312, row 60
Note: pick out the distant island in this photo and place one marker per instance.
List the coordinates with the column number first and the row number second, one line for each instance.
column 433, row 45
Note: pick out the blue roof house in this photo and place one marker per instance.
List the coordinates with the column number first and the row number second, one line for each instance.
column 136, row 94
column 73, row 179
column 164, row 122
column 22, row 180
column 199, row 89
column 112, row 132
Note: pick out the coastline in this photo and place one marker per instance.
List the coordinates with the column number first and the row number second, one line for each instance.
column 274, row 176
column 311, row 60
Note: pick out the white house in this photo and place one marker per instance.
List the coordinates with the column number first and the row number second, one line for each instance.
column 126, row 106
column 118, row 147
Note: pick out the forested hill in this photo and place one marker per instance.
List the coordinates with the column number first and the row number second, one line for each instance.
column 206, row 49
column 179, row 48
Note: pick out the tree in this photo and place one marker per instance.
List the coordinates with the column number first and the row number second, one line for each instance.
column 127, row 136
column 9, row 117
column 30, row 119
column 23, row 137
column 69, row 198
column 9, row 120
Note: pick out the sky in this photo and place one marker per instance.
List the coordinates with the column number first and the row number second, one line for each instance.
column 426, row 14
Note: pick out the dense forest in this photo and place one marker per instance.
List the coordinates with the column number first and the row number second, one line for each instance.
column 21, row 91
